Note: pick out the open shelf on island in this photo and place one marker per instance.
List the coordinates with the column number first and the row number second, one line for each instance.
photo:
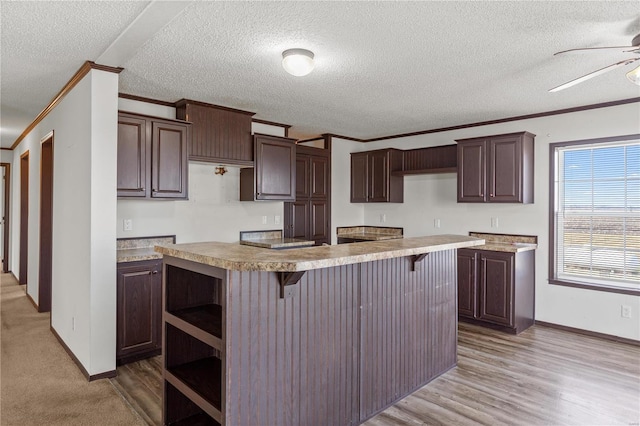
column 183, row 411
column 203, row 377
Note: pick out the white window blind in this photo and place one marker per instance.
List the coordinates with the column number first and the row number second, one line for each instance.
column 597, row 214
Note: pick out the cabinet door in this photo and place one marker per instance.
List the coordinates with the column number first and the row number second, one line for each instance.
column 169, row 160
column 505, row 169
column 275, row 168
column 219, row 135
column 359, row 177
column 303, row 175
column 379, row 176
column 319, row 177
column 139, row 308
column 297, row 220
column 496, row 288
column 467, row 283
column 319, row 223
column 132, row 157
column 471, row 171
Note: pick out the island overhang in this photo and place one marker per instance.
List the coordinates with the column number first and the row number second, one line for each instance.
column 236, row 257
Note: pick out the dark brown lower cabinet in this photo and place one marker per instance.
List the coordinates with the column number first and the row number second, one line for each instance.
column 139, row 310
column 497, row 289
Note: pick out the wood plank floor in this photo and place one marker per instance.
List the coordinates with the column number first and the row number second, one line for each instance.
column 544, row 376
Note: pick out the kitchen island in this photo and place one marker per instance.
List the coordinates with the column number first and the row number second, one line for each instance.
column 319, row 335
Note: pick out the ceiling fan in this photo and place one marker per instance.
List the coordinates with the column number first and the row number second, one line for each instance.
column 633, row 75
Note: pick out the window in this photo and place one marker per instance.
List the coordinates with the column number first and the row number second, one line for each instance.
column 595, row 214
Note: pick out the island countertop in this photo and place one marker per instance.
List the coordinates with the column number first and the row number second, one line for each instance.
column 233, row 256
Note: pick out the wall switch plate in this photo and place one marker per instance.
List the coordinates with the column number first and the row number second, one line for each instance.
column 127, row 224
column 625, row 311
column 264, row 220
column 276, row 220
column 436, row 223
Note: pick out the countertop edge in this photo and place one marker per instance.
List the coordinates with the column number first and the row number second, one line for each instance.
column 282, row 265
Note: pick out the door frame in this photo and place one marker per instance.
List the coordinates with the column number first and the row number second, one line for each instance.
column 45, row 264
column 6, row 210
column 24, row 219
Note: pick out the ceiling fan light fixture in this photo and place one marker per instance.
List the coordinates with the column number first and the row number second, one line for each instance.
column 634, row 76
column 298, row 62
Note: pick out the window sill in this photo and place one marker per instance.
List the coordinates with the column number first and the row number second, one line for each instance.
column 596, row 287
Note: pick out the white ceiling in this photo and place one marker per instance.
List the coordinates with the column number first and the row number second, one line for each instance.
column 382, row 68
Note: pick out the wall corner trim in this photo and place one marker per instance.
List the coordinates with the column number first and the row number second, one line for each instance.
column 84, row 70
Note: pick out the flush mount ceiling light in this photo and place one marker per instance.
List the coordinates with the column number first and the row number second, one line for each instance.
column 297, row 62
column 634, row 76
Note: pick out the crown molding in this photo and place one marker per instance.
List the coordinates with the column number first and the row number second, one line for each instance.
column 79, row 75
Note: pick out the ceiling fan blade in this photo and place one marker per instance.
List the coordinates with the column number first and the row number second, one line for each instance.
column 593, row 74
column 623, row 49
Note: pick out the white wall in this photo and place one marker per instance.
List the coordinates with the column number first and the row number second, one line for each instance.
column 213, row 210
column 6, row 156
column 343, row 212
column 84, row 204
column 429, row 197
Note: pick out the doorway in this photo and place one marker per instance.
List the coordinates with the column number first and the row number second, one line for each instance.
column 46, row 224
column 5, row 168
column 24, row 217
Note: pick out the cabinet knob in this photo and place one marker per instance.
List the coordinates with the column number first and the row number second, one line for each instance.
column 141, row 189
column 154, row 190
column 491, row 195
column 154, row 272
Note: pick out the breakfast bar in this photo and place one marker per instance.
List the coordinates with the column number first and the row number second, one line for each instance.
column 307, row 336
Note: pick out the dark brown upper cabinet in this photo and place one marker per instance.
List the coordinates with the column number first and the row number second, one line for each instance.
column 219, row 134
column 435, row 159
column 273, row 177
column 152, row 157
column 372, row 178
column 496, row 169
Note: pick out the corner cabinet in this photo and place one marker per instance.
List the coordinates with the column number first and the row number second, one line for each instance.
column 496, row 289
column 372, row 178
column 496, row 169
column 220, row 134
column 273, row 177
column 152, row 157
column 139, row 310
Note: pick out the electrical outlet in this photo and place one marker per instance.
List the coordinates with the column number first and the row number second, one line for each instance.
column 73, row 323
column 276, row 220
column 127, row 224
column 625, row 311
column 383, row 218
column 495, row 222
column 264, row 220
column 436, row 223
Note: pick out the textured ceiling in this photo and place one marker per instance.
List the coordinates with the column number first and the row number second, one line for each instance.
column 382, row 68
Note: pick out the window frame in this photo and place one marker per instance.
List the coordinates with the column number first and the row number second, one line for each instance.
column 552, row 205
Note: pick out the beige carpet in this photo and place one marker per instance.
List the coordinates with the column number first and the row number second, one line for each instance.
column 39, row 383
